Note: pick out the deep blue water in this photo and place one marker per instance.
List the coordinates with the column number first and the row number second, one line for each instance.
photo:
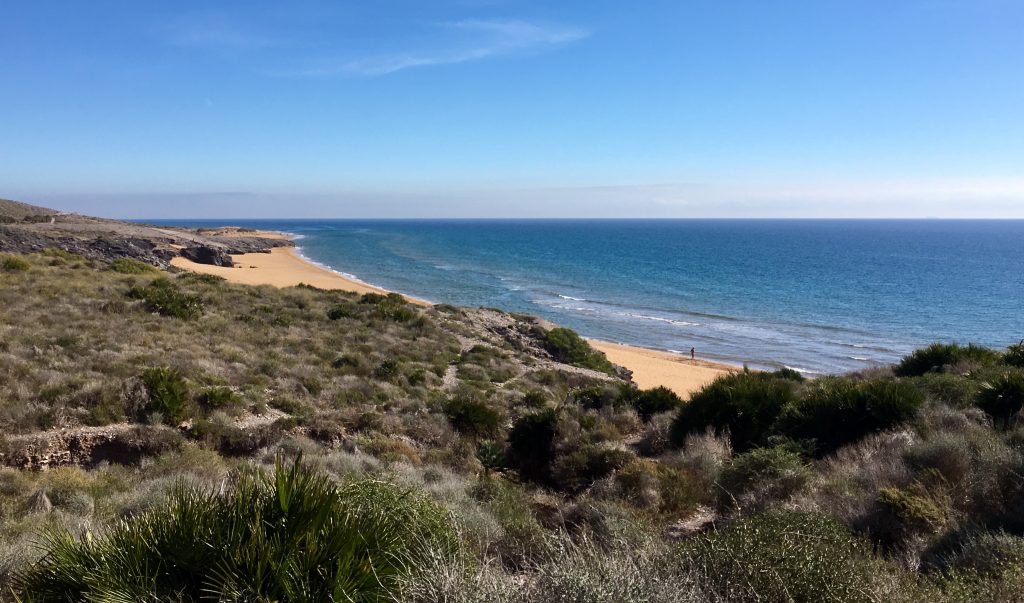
column 817, row 295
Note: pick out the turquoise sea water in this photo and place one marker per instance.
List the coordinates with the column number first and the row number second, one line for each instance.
column 820, row 296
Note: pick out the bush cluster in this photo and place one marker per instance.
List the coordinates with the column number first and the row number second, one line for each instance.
column 161, row 296
column 293, row 536
column 168, row 394
column 942, row 356
column 13, row 263
column 132, row 266
column 565, row 345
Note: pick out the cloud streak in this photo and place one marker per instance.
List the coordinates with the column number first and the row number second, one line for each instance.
column 481, row 39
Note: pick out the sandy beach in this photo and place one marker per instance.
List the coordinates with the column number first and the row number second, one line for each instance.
column 283, row 267
column 652, row 368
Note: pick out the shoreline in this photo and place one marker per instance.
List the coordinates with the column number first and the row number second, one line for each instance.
column 286, row 267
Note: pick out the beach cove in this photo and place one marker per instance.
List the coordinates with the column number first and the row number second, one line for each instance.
column 285, row 267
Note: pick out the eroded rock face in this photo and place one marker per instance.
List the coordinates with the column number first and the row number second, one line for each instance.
column 208, row 255
column 87, row 447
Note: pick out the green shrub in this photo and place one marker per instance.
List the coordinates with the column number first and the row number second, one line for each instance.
column 491, row 455
column 744, row 404
column 574, row 470
column 13, row 263
column 938, row 356
column 219, row 397
column 565, row 345
column 987, row 553
column 754, row 479
column 840, row 411
column 915, row 509
column 650, row 402
column 389, row 307
column 293, row 536
column 163, row 297
column 168, row 394
column 386, row 371
column 531, row 444
column 340, row 311
column 792, row 557
column 1002, row 398
column 953, row 390
column 1014, row 355
column 788, row 373
column 132, row 266
column 473, row 417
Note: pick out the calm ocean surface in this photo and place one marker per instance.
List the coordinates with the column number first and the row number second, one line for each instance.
column 820, row 296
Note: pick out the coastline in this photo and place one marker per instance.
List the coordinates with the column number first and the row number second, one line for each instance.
column 653, row 368
column 285, row 267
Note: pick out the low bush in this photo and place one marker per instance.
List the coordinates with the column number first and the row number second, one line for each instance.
column 840, row 411
column 531, row 444
column 473, row 417
column 13, row 263
column 219, row 397
column 794, row 557
column 132, row 266
column 745, row 404
column 1002, row 398
column 292, row 536
column 650, row 402
column 168, row 394
column 162, row 297
column 941, row 356
column 1014, row 355
column 753, row 480
column 565, row 345
column 574, row 470
column 340, row 311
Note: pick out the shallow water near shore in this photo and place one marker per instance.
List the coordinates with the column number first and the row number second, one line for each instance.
column 820, row 296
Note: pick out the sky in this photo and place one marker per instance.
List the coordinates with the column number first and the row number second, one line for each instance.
column 515, row 108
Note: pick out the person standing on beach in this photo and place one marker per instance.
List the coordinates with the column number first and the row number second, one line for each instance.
column 693, row 353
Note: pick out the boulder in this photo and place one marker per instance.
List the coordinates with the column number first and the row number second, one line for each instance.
column 207, row 255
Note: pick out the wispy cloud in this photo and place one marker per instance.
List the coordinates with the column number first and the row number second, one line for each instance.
column 215, row 33
column 478, row 40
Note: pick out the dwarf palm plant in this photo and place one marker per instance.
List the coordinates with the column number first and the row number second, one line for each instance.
column 290, row 536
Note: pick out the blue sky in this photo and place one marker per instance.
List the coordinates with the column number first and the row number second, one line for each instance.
column 490, row 108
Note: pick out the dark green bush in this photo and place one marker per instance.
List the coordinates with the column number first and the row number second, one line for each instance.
column 650, row 402
column 473, row 417
column 163, row 297
column 1002, row 398
column 987, row 553
column 938, row 356
column 565, row 345
column 792, row 557
column 754, row 479
column 788, row 373
column 744, row 404
column 389, row 307
column 386, row 371
column 219, row 397
column 340, row 311
column 574, row 470
column 132, row 266
column 13, row 263
column 168, row 394
column 531, row 444
column 839, row 411
column 1014, row 355
column 293, row 536
column 953, row 390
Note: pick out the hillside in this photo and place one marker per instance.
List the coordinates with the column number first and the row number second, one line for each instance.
column 471, row 454
column 26, row 229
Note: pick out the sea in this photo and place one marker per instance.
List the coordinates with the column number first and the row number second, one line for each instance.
column 817, row 296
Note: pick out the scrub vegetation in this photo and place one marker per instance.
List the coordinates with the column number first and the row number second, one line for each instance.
column 173, row 437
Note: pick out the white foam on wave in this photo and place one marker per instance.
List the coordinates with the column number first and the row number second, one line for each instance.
column 571, row 298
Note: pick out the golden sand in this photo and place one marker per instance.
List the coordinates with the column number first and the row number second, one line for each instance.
column 652, row 368
column 282, row 267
